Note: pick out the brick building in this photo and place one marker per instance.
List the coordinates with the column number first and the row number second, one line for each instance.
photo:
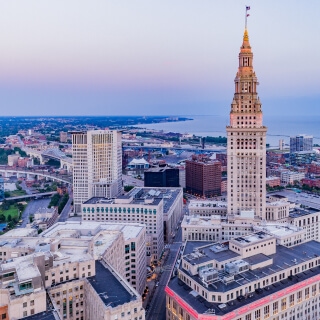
column 203, row 177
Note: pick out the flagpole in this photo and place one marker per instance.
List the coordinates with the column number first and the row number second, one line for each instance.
column 246, row 18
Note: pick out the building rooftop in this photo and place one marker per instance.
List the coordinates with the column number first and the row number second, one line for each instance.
column 284, row 258
column 20, row 232
column 279, row 230
column 143, row 196
column 300, row 212
column 200, row 305
column 206, row 252
column 90, row 228
column 109, row 287
column 47, row 315
column 207, row 204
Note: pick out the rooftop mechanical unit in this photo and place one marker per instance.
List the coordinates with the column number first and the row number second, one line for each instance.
column 237, row 266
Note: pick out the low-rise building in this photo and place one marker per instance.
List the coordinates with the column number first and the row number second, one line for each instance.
column 312, row 183
column 249, row 277
column 273, row 181
column 13, row 159
column 289, row 177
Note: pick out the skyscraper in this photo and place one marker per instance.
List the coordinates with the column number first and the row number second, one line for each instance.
column 97, row 164
column 246, row 141
column 301, row 142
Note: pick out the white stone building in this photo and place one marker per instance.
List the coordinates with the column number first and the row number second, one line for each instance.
column 160, row 209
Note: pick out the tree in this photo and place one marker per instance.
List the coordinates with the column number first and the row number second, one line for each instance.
column 39, row 231
column 128, row 188
column 31, row 218
column 9, row 218
column 2, row 217
column 7, row 194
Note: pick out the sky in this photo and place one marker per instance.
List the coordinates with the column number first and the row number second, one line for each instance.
column 152, row 57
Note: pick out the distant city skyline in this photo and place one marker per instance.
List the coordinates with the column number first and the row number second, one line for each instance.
column 154, row 58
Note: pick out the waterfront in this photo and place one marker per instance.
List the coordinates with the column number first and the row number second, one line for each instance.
column 215, row 125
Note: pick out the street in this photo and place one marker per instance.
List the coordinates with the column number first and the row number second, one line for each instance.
column 157, row 308
column 65, row 212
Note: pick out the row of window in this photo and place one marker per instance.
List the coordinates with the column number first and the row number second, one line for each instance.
column 119, row 210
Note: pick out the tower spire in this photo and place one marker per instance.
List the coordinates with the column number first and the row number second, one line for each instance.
column 246, row 150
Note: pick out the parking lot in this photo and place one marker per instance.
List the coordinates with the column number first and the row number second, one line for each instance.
column 302, row 197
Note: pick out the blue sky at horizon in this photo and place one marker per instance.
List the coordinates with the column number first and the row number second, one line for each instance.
column 154, row 57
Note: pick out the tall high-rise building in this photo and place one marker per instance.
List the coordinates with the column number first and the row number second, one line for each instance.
column 97, row 162
column 246, row 141
column 301, row 142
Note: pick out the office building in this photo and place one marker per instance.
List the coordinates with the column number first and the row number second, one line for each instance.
column 250, row 277
column 203, row 177
column 246, row 135
column 160, row 209
column 73, row 269
column 97, row 162
column 301, row 142
column 161, row 177
column 63, row 136
column 107, row 239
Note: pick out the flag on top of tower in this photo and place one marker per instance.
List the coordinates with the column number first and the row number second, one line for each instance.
column 247, row 7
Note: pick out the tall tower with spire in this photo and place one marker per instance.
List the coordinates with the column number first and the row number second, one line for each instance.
column 246, row 134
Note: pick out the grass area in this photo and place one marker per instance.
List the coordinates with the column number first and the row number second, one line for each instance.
column 17, row 193
column 12, row 211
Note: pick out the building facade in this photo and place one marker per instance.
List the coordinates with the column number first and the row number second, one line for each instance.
column 203, row 177
column 97, row 164
column 246, row 140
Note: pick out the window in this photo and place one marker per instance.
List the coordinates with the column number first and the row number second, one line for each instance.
column 275, row 307
column 291, row 300
column 24, row 304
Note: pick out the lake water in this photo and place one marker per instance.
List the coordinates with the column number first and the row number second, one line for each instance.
column 215, row 125
column 2, row 226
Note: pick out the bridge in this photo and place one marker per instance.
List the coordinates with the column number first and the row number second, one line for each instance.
column 29, row 173
column 35, row 195
column 51, row 153
column 175, row 149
